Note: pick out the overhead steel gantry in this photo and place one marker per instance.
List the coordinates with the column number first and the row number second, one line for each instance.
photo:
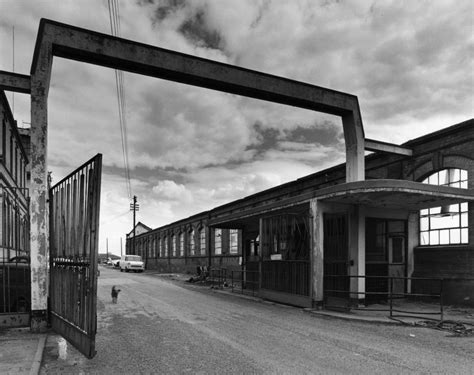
column 62, row 40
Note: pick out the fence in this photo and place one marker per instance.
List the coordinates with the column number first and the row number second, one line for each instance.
column 286, row 276
column 380, row 290
column 217, row 277
column 243, row 281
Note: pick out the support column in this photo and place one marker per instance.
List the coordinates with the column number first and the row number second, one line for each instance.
column 260, row 252
column 39, row 226
column 355, row 148
column 357, row 254
column 412, row 242
column 317, row 253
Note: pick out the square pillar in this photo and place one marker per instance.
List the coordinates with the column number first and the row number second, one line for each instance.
column 39, row 213
column 412, row 241
column 317, row 252
column 356, row 243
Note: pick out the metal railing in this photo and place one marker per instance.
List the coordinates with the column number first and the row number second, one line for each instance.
column 217, row 277
column 244, row 281
column 290, row 276
column 381, row 290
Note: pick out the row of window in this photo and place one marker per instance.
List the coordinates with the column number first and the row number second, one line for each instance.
column 192, row 243
column 12, row 155
column 14, row 221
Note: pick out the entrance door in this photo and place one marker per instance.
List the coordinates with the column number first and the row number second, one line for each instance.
column 74, row 228
column 336, row 280
column 385, row 242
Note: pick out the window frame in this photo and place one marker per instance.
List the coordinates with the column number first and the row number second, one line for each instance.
column 432, row 230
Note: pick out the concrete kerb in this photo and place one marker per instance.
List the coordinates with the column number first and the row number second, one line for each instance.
column 21, row 351
column 36, row 365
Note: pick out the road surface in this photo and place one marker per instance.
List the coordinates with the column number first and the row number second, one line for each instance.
column 161, row 326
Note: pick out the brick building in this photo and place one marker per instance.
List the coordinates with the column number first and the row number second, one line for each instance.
column 320, row 237
column 14, row 216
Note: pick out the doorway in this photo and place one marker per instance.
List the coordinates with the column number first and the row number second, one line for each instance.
column 386, row 254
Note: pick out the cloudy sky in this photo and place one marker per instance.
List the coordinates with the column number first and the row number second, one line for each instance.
column 409, row 62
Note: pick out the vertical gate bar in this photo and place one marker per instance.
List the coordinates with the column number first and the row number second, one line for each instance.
column 391, row 295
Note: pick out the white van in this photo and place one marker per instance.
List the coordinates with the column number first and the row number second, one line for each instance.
column 131, row 263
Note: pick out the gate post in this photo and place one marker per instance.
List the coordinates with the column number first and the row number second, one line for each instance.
column 39, row 227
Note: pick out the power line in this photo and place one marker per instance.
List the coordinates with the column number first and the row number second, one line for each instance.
column 114, row 18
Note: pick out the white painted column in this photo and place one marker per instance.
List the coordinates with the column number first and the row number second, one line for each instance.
column 413, row 240
column 356, row 252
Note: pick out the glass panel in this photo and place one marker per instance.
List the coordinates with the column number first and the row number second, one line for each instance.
column 397, row 249
column 453, row 208
column 434, row 239
column 464, row 235
column 463, row 174
column 464, row 207
column 443, row 177
column 463, row 184
column 464, row 220
column 435, row 210
column 424, row 223
column 424, row 212
column 454, row 175
column 433, row 179
column 442, row 222
column 444, row 236
column 455, row 184
column 455, row 236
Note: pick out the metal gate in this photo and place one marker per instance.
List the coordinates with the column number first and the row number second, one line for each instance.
column 74, row 205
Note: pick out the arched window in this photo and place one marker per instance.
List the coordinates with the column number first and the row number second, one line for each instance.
column 218, row 241
column 191, row 243
column 202, row 241
column 446, row 225
column 173, row 245
column 233, row 241
column 181, row 244
column 166, row 246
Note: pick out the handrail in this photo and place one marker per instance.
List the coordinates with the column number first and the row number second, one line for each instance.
column 391, row 295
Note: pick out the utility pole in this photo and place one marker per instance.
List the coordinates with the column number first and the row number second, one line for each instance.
column 107, row 247
column 134, row 207
column 121, row 247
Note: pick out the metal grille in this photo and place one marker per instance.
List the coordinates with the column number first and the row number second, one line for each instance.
column 74, row 224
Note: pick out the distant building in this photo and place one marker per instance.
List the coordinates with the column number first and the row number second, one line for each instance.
column 319, row 240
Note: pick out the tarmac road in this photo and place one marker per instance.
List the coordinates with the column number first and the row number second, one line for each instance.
column 163, row 327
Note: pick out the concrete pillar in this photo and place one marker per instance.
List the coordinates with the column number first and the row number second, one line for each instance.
column 356, row 245
column 260, row 252
column 412, row 241
column 317, row 252
column 354, row 139
column 39, row 239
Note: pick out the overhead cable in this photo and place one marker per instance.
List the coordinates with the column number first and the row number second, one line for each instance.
column 114, row 18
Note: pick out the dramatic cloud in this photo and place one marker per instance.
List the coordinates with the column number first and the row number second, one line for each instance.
column 191, row 149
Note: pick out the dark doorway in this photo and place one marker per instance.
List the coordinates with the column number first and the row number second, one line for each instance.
column 385, row 258
column 336, row 280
